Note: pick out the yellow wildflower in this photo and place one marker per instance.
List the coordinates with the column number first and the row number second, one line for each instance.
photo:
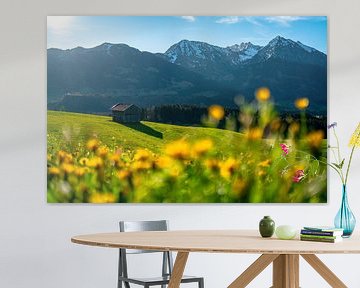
column 254, row 133
column 48, row 157
column 315, row 138
column 92, row 144
column 164, row 162
column 124, row 174
column 141, row 165
column 227, row 168
column 261, row 172
column 64, row 157
column 102, row 151
column 262, row 94
column 84, row 161
column 201, row 147
column 179, row 149
column 216, row 112
column 142, row 155
column 115, row 159
column 80, row 171
column 212, row 164
column 302, row 103
column 355, row 138
column 54, row 171
column 102, row 198
column 95, row 162
column 298, row 167
column 265, row 163
column 67, row 168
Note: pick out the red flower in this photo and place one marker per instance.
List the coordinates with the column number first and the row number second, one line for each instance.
column 299, row 175
column 284, row 148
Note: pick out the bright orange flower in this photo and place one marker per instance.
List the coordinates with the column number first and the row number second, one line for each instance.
column 262, row 94
column 201, row 147
column 227, row 168
column 142, row 155
column 302, row 103
column 93, row 144
column 179, row 149
column 54, row 171
column 216, row 112
column 102, row 151
column 254, row 133
column 315, row 138
column 102, row 198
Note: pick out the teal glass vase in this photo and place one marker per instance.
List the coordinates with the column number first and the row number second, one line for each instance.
column 345, row 219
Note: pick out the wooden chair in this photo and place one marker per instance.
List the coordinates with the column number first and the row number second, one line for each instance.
column 167, row 262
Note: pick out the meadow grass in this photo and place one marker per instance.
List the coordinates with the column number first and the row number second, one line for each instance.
column 74, row 128
column 93, row 159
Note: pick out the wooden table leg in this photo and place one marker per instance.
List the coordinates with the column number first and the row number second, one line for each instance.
column 286, row 271
column 324, row 271
column 178, row 269
column 253, row 270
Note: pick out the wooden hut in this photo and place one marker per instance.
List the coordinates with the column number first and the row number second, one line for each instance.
column 126, row 113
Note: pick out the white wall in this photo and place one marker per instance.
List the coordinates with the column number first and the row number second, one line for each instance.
column 35, row 248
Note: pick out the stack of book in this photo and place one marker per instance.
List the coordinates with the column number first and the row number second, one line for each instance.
column 321, row 234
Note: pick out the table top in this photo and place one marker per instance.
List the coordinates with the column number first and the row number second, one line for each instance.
column 216, row 241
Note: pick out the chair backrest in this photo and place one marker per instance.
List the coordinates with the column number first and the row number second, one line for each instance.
column 137, row 226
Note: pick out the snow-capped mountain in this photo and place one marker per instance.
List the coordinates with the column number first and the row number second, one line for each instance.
column 291, row 51
column 195, row 52
column 189, row 72
column 242, row 52
column 216, row 62
column 213, row 61
column 193, row 49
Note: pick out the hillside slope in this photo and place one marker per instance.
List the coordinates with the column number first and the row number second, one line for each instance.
column 66, row 128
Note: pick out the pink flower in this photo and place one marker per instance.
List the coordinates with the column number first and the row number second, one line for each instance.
column 299, row 175
column 284, row 148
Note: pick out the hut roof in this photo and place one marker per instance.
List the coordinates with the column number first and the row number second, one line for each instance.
column 121, row 107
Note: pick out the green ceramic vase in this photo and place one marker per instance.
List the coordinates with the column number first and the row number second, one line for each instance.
column 266, row 227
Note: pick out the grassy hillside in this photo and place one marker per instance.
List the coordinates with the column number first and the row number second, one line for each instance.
column 189, row 164
column 77, row 128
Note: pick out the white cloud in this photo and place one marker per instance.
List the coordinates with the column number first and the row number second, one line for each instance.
column 284, row 20
column 252, row 20
column 189, row 18
column 60, row 24
column 228, row 20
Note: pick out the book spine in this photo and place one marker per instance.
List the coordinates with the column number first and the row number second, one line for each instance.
column 319, row 233
column 319, row 236
column 318, row 239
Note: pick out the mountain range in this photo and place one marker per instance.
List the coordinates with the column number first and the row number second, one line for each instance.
column 189, row 72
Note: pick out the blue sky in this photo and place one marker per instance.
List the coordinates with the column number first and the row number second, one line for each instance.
column 158, row 33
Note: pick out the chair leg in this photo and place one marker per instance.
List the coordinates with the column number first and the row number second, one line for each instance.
column 201, row 283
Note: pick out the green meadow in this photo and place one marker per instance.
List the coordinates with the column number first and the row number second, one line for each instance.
column 69, row 129
column 92, row 159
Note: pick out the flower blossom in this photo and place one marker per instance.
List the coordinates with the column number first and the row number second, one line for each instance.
column 284, row 148
column 332, row 125
column 299, row 175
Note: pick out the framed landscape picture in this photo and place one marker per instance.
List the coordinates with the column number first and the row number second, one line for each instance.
column 191, row 109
